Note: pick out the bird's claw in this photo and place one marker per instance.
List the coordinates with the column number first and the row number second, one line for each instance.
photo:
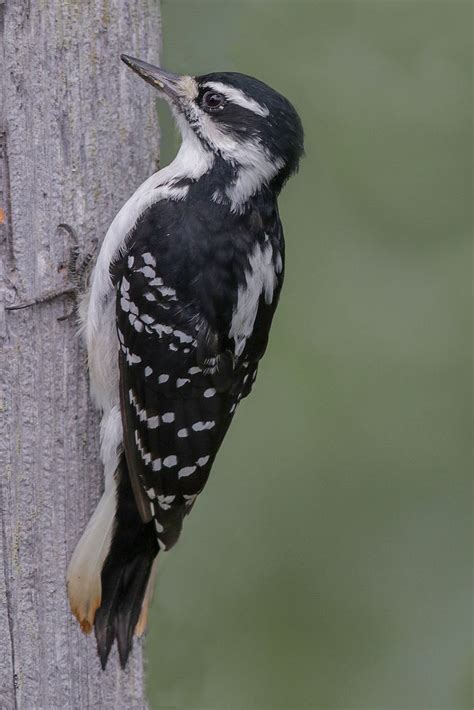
column 78, row 271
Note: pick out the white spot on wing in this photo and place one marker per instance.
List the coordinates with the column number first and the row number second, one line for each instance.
column 131, row 358
column 186, row 471
column 146, row 456
column 148, row 272
column 165, row 501
column 160, row 329
column 158, row 526
column 167, row 291
column 149, row 259
column 182, row 337
column 202, row 426
column 170, row 461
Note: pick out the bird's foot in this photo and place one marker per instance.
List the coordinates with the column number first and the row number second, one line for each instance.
column 78, row 270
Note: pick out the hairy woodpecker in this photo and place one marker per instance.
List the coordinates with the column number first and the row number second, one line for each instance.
column 176, row 319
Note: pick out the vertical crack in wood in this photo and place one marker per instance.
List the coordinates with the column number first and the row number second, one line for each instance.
column 5, row 198
column 8, row 596
column 6, row 247
column 5, row 240
column 6, row 253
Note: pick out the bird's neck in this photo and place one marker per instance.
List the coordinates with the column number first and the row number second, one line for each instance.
column 191, row 162
column 225, row 181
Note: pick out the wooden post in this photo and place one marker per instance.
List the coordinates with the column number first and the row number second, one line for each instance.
column 78, row 133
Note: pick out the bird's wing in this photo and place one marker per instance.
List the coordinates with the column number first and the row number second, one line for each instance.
column 178, row 394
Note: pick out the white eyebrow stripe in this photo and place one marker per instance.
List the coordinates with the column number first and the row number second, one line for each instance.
column 237, row 96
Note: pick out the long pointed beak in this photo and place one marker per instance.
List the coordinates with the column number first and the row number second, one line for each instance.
column 159, row 78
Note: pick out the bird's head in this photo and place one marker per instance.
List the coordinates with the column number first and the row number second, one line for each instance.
column 236, row 118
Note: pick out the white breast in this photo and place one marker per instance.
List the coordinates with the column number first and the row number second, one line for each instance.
column 260, row 279
column 192, row 161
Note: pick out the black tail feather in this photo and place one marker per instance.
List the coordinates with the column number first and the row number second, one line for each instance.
column 129, row 606
column 104, row 618
column 125, row 574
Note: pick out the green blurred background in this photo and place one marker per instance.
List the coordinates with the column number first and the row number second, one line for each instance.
column 328, row 564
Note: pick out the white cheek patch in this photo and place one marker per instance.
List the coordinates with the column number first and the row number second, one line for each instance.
column 214, row 134
column 236, row 96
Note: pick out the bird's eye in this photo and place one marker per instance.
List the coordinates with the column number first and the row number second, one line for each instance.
column 213, row 101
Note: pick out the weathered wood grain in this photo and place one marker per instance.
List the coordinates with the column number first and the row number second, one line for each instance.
column 78, row 134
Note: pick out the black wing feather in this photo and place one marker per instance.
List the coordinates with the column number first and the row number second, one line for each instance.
column 178, row 391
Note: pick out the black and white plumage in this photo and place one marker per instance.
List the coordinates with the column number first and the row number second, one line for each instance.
column 176, row 320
